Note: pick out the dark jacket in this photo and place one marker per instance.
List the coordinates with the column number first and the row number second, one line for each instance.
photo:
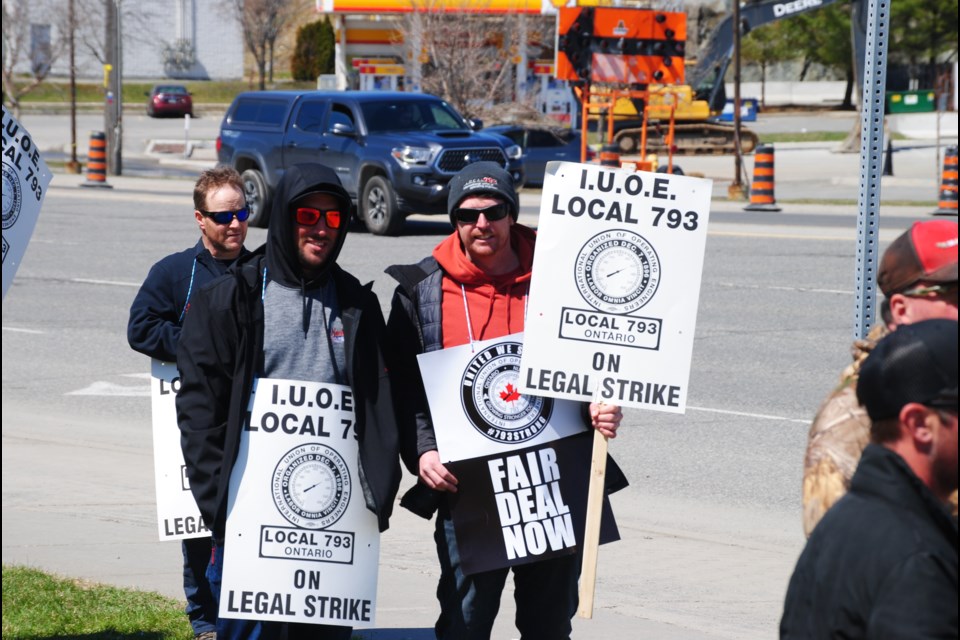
column 163, row 300
column 221, row 352
column 416, row 326
column 882, row 563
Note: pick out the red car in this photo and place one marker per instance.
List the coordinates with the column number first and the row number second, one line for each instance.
column 169, row 100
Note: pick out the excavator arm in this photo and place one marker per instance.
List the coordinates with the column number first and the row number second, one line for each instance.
column 706, row 77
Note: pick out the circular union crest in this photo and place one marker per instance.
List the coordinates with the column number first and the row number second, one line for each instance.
column 311, row 486
column 489, row 392
column 11, row 197
column 617, row 271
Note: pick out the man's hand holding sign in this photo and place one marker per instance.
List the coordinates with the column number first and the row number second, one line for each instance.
column 613, row 299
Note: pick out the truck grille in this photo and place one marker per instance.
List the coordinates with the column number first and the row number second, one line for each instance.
column 452, row 160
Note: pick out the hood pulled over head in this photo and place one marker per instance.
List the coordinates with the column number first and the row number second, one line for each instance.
column 283, row 261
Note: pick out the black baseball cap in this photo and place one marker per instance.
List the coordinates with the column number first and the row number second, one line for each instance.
column 487, row 178
column 915, row 363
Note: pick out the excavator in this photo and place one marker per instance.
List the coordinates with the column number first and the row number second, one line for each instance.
column 690, row 99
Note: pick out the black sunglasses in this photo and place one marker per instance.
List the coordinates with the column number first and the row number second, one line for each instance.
column 309, row 216
column 226, row 217
column 491, row 213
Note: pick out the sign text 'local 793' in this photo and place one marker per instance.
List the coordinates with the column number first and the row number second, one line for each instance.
column 615, row 287
column 25, row 181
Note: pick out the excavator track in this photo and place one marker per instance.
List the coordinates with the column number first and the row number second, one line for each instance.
column 704, row 138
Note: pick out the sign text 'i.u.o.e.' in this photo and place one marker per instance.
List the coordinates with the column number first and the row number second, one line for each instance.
column 615, row 286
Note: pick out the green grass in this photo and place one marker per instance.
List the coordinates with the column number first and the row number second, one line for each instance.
column 813, row 136
column 805, row 136
column 39, row 605
column 204, row 92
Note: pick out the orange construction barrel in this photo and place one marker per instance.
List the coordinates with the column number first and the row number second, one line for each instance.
column 610, row 155
column 761, row 193
column 97, row 161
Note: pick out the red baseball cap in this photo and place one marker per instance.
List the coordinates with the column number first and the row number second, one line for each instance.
column 926, row 252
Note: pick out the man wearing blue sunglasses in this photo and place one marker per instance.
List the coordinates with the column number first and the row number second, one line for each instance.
column 157, row 315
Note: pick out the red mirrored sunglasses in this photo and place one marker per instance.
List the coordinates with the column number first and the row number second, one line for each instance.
column 309, row 216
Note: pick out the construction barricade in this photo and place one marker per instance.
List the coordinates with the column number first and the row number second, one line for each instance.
column 761, row 192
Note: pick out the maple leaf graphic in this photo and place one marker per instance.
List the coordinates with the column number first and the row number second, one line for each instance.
column 510, row 395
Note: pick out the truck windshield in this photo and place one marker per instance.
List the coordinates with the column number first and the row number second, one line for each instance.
column 425, row 115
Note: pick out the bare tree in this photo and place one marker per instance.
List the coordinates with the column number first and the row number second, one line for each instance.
column 467, row 56
column 463, row 54
column 21, row 36
column 262, row 23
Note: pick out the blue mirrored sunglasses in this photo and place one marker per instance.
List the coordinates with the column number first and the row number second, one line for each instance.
column 226, row 217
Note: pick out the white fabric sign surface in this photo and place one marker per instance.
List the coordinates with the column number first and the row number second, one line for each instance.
column 476, row 404
column 301, row 545
column 25, row 180
column 177, row 514
column 615, row 286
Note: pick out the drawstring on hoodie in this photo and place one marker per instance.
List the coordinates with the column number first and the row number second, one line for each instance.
column 466, row 311
column 303, row 308
column 186, row 303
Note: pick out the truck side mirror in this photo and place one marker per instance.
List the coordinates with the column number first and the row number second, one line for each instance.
column 343, row 129
column 475, row 123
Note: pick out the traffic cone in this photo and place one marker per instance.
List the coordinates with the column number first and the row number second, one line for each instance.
column 97, row 161
column 761, row 193
column 948, row 184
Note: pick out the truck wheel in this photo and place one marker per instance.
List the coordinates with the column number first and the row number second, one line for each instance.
column 255, row 191
column 378, row 208
column 627, row 142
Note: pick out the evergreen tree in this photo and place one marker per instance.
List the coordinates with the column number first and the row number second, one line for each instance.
column 313, row 54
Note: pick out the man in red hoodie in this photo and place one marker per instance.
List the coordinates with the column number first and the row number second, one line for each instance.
column 474, row 287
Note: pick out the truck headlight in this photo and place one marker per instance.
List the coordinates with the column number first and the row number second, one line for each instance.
column 514, row 152
column 412, row 155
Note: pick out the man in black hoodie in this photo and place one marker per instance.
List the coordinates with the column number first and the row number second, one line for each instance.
column 287, row 311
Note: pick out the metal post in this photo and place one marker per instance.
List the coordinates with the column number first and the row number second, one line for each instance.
column 521, row 58
column 417, row 56
column 871, row 153
column 736, row 189
column 118, row 135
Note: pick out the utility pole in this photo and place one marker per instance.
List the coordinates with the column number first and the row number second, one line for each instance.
column 113, row 109
column 736, row 189
column 73, row 166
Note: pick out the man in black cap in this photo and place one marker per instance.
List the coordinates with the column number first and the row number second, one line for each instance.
column 286, row 312
column 883, row 561
column 474, row 287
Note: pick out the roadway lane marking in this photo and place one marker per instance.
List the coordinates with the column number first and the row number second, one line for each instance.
column 733, row 285
column 112, row 283
column 751, row 415
column 111, row 389
column 19, row 330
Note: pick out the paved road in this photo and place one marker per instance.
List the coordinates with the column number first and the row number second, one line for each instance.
column 710, row 525
column 805, row 172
